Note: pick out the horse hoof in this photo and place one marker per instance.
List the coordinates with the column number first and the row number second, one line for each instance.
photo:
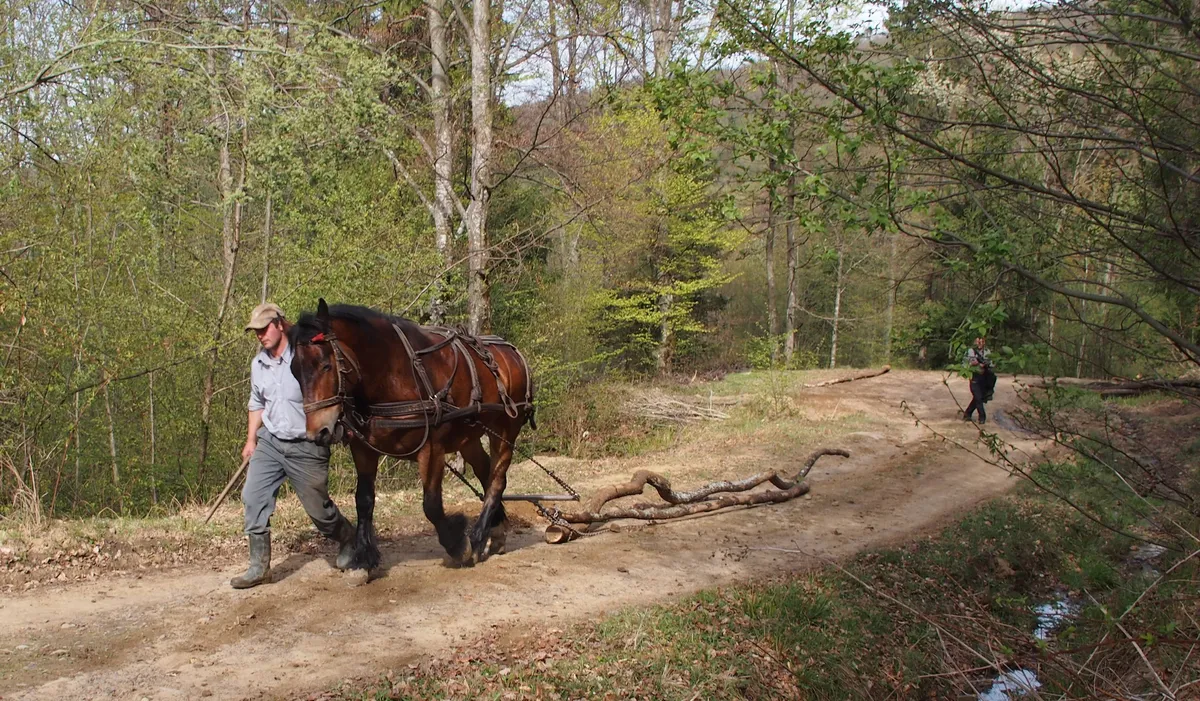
column 465, row 559
column 496, row 542
column 357, row 578
column 479, row 551
column 457, row 564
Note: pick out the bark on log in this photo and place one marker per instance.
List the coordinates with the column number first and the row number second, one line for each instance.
column 679, row 504
column 861, row 376
column 1121, row 388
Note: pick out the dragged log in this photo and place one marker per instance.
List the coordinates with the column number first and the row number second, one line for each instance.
column 851, row 378
column 1122, row 388
column 710, row 497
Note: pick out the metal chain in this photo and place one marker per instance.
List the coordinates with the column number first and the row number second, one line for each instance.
column 529, row 456
column 464, row 480
column 554, row 516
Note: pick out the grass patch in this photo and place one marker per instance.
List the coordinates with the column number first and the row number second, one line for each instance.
column 596, row 420
column 911, row 622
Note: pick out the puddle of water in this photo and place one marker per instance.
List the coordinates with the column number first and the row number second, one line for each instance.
column 1010, row 685
column 1051, row 615
column 1020, row 682
column 1145, row 555
column 1147, row 552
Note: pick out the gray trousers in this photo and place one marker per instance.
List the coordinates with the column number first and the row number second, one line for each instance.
column 305, row 465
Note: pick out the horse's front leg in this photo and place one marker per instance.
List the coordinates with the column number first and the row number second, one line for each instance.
column 481, row 464
column 451, row 530
column 491, row 515
column 366, row 549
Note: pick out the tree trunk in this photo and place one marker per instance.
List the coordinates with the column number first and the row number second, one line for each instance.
column 1050, row 337
column 443, row 163
column 1083, row 331
column 837, row 312
column 266, row 252
column 478, row 297
column 890, row 318
column 78, row 431
column 923, row 352
column 78, row 346
column 661, row 35
column 793, row 252
column 153, row 448
column 231, row 232
column 556, row 69
column 572, row 76
column 662, row 357
column 1105, row 340
column 772, row 316
column 793, row 265
column 112, row 448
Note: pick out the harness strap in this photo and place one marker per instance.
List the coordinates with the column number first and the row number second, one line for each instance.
column 476, row 390
column 432, row 410
column 450, row 336
column 450, row 413
column 418, row 366
column 479, row 344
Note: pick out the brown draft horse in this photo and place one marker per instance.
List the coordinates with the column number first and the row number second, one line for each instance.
column 387, row 386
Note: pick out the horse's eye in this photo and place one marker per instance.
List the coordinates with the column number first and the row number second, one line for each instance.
column 326, row 367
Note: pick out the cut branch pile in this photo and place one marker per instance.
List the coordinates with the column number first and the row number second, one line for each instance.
column 860, row 376
column 710, row 497
column 658, row 406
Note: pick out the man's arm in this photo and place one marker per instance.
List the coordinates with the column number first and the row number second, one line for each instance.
column 252, row 426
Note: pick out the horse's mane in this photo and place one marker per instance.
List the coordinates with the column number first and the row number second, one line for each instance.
column 308, row 326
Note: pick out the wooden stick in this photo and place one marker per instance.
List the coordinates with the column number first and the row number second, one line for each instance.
column 225, row 492
column 861, row 376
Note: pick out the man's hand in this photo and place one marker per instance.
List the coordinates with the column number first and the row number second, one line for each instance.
column 248, row 449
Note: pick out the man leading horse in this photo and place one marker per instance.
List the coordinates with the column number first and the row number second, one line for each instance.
column 278, row 449
column 387, row 386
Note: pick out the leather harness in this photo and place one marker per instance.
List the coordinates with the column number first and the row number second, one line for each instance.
column 433, row 409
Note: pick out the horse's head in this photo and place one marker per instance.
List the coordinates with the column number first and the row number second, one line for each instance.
column 327, row 372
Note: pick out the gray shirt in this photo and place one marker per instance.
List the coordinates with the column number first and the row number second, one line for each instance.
column 275, row 391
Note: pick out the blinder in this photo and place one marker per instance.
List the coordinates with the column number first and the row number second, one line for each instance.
column 343, row 365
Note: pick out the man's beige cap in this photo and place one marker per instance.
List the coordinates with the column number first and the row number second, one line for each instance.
column 263, row 315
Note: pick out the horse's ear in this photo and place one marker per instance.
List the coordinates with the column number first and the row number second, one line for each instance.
column 322, row 312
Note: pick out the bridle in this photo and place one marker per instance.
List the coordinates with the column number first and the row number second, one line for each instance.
column 343, row 365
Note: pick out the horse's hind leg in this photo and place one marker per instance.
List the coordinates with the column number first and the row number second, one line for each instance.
column 451, row 530
column 492, row 513
column 481, row 465
column 366, row 549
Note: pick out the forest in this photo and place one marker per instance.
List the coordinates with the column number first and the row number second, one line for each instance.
column 631, row 191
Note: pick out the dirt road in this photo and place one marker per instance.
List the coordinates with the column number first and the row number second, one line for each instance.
column 184, row 634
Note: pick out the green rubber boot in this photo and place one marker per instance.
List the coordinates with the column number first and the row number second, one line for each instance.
column 260, row 563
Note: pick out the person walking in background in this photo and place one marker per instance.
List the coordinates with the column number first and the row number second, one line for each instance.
column 278, row 448
column 983, row 379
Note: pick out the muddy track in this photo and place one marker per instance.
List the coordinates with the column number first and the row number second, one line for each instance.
column 185, row 634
